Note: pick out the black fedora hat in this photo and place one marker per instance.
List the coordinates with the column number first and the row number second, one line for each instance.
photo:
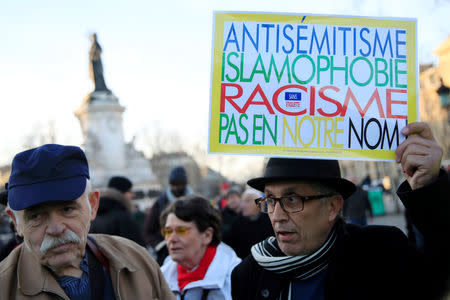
column 325, row 171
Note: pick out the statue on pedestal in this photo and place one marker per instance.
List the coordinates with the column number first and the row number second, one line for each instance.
column 100, row 116
column 95, row 65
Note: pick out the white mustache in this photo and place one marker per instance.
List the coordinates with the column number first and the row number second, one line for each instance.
column 52, row 242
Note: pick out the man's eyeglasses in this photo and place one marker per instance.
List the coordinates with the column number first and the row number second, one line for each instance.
column 290, row 204
column 179, row 230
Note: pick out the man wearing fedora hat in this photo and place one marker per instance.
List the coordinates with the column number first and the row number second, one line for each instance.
column 316, row 255
column 52, row 204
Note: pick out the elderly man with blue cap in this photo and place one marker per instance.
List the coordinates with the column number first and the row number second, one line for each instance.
column 51, row 203
column 316, row 255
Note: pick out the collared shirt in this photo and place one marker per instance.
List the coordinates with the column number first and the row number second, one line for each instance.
column 80, row 288
column 77, row 288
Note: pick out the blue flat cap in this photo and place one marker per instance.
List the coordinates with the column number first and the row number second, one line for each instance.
column 45, row 174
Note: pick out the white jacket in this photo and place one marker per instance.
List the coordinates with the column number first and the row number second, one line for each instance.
column 217, row 278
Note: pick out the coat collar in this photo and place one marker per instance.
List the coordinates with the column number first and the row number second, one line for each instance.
column 33, row 278
column 118, row 258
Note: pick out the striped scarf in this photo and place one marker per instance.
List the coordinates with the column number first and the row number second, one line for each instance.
column 269, row 256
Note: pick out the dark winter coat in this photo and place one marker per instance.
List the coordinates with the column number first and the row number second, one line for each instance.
column 357, row 205
column 152, row 228
column 375, row 262
column 246, row 232
column 228, row 216
column 114, row 217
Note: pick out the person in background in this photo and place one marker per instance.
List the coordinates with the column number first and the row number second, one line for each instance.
column 357, row 206
column 11, row 244
column 178, row 187
column 138, row 216
column 114, row 216
column 52, row 203
column 4, row 218
column 5, row 232
column 251, row 226
column 315, row 254
column 231, row 211
column 123, row 185
column 199, row 265
column 222, row 203
column 15, row 239
column 233, row 199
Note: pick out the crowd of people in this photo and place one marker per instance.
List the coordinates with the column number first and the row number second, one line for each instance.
column 298, row 232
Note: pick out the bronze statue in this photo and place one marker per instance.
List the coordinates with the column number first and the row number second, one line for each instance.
column 95, row 65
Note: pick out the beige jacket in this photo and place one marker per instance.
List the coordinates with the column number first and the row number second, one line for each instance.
column 134, row 273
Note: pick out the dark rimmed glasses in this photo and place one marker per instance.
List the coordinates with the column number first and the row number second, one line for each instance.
column 290, row 204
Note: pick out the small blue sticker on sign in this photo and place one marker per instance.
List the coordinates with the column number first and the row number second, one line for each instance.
column 289, row 96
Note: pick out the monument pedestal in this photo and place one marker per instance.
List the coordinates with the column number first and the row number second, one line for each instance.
column 108, row 155
column 100, row 117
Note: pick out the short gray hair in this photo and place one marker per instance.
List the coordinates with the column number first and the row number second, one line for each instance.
column 87, row 192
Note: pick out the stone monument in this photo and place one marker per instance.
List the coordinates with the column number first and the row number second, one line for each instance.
column 100, row 116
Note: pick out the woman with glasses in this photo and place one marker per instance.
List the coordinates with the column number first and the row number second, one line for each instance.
column 199, row 265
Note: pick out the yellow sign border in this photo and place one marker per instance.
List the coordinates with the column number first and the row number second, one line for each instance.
column 219, row 20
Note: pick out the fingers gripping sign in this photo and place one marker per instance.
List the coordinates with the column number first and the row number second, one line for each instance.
column 419, row 155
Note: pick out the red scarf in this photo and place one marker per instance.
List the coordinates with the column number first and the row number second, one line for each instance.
column 185, row 277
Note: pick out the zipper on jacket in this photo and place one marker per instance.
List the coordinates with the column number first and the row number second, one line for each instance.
column 118, row 285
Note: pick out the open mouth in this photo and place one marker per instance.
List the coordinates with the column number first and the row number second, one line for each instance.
column 285, row 235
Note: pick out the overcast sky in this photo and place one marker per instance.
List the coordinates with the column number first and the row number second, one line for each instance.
column 156, row 59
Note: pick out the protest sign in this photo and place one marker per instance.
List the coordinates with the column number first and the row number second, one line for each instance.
column 312, row 86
